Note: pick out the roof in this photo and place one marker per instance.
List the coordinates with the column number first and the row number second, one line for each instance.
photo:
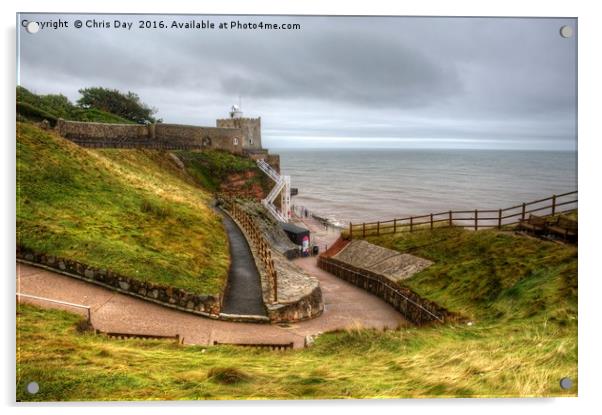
column 289, row 227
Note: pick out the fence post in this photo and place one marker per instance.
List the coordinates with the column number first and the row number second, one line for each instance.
column 394, row 225
column 431, row 221
column 450, row 219
column 411, row 224
column 476, row 219
column 499, row 219
column 553, row 205
column 522, row 216
column 350, row 231
column 275, row 280
column 364, row 229
column 377, row 228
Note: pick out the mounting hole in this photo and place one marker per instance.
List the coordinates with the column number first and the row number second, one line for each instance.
column 566, row 383
column 566, row 31
column 32, row 27
column 33, row 388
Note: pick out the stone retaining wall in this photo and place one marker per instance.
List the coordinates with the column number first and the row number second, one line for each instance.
column 94, row 131
column 304, row 308
column 414, row 308
column 205, row 305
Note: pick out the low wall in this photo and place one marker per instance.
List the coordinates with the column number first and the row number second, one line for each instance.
column 205, row 305
column 303, row 308
column 413, row 307
column 94, row 131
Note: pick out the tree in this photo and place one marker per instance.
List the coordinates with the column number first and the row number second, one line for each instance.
column 127, row 106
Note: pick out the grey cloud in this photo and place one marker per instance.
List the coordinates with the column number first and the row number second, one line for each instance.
column 505, row 80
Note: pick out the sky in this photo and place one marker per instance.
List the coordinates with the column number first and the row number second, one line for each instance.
column 342, row 82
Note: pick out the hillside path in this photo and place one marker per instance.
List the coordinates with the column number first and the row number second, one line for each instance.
column 243, row 294
column 346, row 306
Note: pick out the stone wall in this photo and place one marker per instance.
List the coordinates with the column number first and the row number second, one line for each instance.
column 303, row 308
column 93, row 131
column 205, row 305
column 250, row 129
column 159, row 136
column 228, row 139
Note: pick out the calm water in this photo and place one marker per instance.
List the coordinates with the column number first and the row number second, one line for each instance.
column 364, row 185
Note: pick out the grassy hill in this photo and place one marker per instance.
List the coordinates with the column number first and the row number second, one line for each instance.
column 493, row 276
column 133, row 211
column 221, row 171
column 520, row 291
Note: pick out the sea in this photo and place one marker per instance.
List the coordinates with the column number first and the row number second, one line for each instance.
column 364, row 185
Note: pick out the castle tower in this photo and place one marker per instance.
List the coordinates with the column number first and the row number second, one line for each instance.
column 250, row 128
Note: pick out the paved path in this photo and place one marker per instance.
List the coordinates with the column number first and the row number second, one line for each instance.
column 346, row 306
column 243, row 295
column 323, row 236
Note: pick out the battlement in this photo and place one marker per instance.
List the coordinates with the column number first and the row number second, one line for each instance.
column 250, row 129
column 247, row 119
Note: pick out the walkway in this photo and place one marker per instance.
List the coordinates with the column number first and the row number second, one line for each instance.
column 346, row 306
column 243, row 295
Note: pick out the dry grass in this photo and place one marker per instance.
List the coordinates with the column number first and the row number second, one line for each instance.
column 130, row 210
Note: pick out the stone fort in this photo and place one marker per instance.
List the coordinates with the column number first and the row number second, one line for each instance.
column 235, row 134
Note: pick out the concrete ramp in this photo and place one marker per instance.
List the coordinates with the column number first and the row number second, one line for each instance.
column 392, row 264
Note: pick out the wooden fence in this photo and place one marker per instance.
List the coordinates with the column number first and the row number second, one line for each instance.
column 470, row 219
column 258, row 241
column 413, row 307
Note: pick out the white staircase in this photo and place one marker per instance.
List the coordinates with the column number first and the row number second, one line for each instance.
column 282, row 187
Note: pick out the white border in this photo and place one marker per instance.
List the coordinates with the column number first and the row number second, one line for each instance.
column 590, row 203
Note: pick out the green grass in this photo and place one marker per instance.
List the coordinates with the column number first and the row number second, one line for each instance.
column 492, row 275
column 210, row 169
column 526, row 359
column 131, row 211
column 134, row 210
column 521, row 293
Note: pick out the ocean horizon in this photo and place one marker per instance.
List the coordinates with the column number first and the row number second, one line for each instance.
column 360, row 185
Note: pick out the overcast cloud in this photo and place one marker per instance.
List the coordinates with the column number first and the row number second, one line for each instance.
column 336, row 82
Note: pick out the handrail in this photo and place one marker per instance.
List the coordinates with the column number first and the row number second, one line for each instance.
column 479, row 218
column 50, row 300
column 282, row 184
column 389, row 286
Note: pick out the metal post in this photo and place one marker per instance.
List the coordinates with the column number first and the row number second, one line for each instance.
column 476, row 219
column 431, row 221
column 553, row 205
column 394, row 225
column 377, row 228
column 350, row 231
column 411, row 224
column 450, row 219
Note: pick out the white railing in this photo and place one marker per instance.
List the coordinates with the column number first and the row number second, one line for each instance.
column 50, row 300
column 283, row 187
